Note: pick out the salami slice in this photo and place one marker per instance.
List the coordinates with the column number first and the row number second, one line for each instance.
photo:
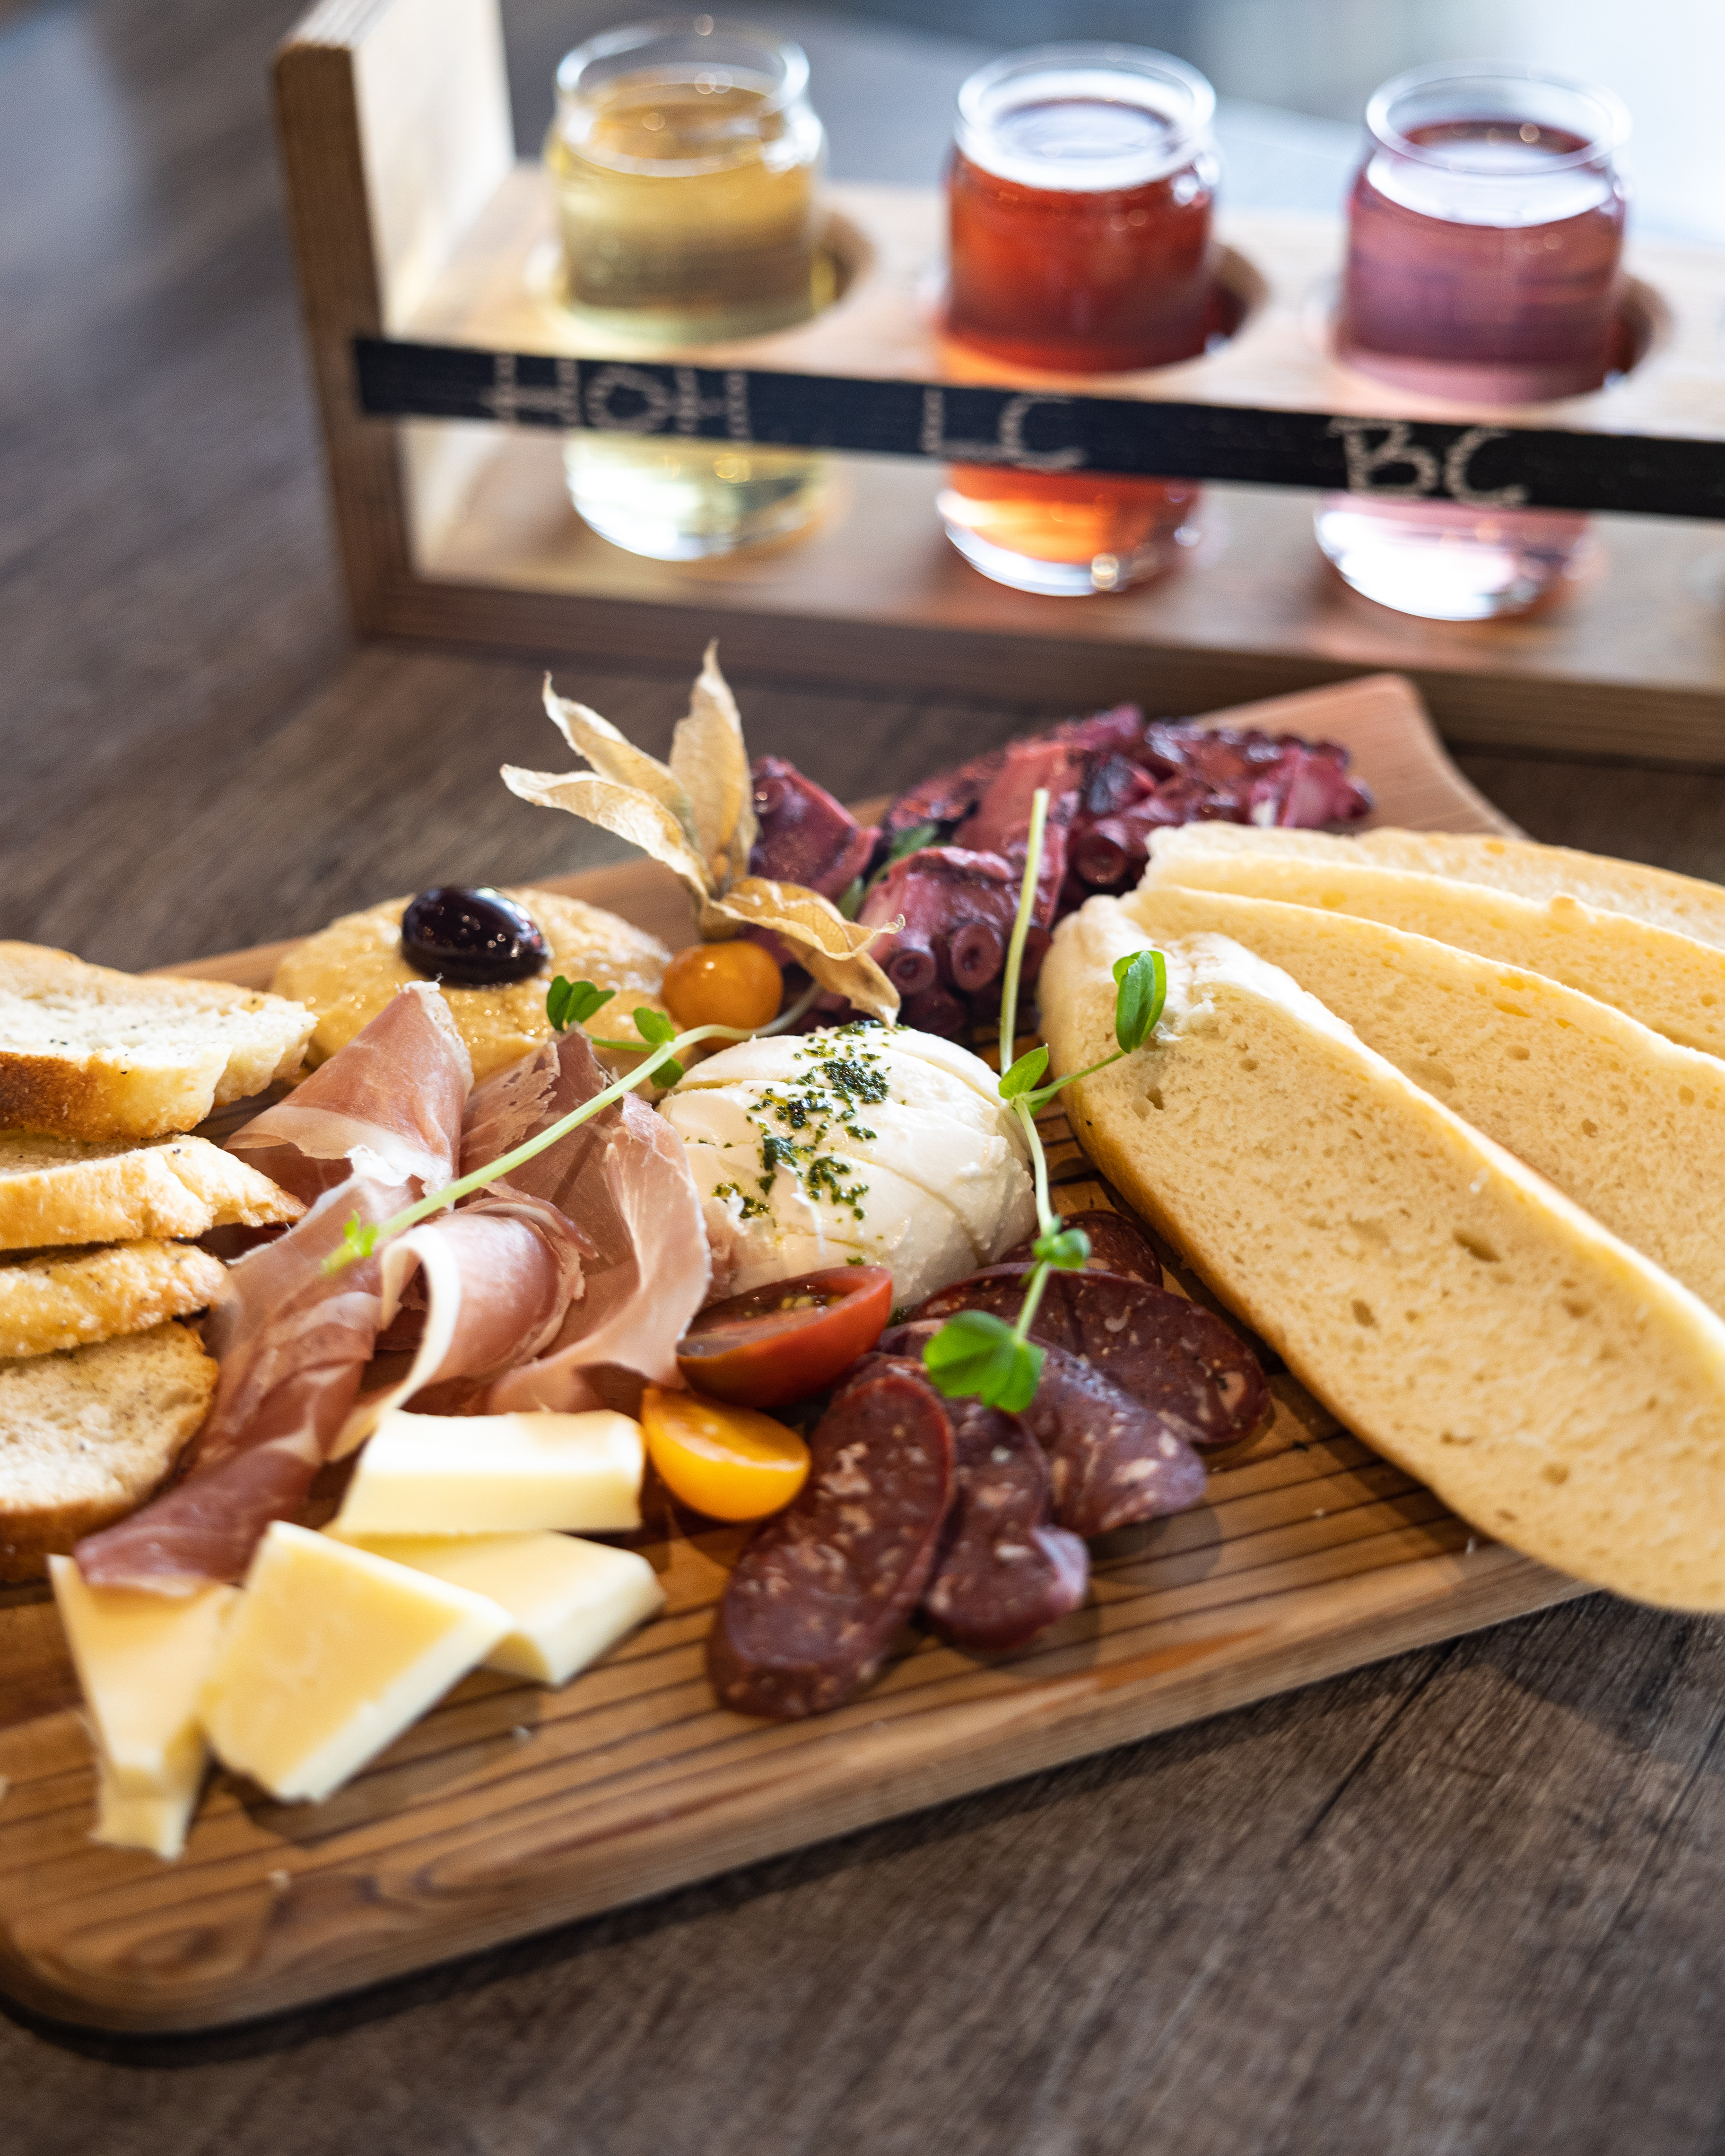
column 1113, row 1462
column 1170, row 1354
column 820, row 1594
column 1005, row 1572
column 1116, row 1246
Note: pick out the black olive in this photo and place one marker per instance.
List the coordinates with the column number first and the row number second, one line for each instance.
column 473, row 939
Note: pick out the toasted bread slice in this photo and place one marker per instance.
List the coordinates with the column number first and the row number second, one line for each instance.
column 1449, row 1305
column 87, row 1435
column 51, row 1300
column 55, row 1191
column 1628, row 1124
column 1670, row 982
column 88, row 1053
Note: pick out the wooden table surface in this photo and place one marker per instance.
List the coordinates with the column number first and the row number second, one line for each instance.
column 1470, row 1900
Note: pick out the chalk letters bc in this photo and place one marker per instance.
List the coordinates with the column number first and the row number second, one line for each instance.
column 1483, row 467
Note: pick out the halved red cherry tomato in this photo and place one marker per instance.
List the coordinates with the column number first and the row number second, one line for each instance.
column 788, row 1339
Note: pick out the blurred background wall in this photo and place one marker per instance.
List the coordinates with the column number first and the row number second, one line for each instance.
column 1294, row 74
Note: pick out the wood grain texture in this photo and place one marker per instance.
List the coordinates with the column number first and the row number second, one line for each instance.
column 509, row 1809
column 1466, row 1901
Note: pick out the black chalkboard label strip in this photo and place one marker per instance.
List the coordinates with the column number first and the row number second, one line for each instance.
column 1487, row 467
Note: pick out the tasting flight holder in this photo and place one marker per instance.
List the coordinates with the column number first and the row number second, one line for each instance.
column 1487, row 467
column 447, row 373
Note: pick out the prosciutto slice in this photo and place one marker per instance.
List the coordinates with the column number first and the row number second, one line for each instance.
column 387, row 1106
column 624, row 1178
column 497, row 1278
column 359, row 1140
column 291, row 1342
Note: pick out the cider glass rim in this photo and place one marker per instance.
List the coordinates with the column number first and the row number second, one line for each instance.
column 1608, row 131
column 793, row 84
column 1104, row 57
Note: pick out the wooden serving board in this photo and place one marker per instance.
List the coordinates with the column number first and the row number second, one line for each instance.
column 509, row 1809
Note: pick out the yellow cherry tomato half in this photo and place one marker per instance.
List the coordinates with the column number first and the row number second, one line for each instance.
column 730, row 1463
column 734, row 983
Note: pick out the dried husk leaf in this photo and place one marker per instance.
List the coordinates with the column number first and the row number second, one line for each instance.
column 834, row 950
column 709, row 761
column 616, row 757
column 630, row 814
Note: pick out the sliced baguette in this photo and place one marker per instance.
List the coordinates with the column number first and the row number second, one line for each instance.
column 1668, row 981
column 1454, row 1310
column 51, row 1300
column 65, row 1190
column 1625, row 1122
column 88, row 1053
column 87, row 1435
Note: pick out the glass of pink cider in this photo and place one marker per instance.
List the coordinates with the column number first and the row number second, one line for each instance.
column 1484, row 267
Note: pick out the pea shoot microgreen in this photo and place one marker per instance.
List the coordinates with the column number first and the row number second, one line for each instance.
column 567, row 1004
column 976, row 1355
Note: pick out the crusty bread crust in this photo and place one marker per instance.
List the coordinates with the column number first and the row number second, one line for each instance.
column 1684, row 904
column 89, row 1053
column 51, row 1300
column 88, row 1436
column 1450, row 1308
column 61, row 1191
column 1665, row 979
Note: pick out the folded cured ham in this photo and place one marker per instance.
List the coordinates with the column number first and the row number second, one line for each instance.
column 292, row 1342
column 625, row 1178
column 388, row 1107
column 521, row 1306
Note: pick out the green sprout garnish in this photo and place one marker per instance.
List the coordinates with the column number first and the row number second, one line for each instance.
column 573, row 1003
column 976, row 1355
column 567, row 1002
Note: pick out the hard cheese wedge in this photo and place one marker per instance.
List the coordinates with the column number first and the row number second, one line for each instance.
column 158, row 1824
column 568, row 1601
column 142, row 1659
column 484, row 1474
column 331, row 1654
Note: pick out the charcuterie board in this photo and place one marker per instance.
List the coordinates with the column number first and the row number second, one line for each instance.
column 510, row 1810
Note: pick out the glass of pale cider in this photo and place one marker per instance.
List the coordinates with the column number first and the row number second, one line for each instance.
column 1485, row 247
column 1080, row 196
column 687, row 161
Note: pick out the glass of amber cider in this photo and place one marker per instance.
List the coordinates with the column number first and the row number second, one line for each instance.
column 1485, row 249
column 1080, row 197
column 687, row 161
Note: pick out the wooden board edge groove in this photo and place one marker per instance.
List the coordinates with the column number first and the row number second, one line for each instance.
column 1069, row 1730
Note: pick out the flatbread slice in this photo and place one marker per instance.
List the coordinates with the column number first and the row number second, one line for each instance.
column 1451, row 1307
column 1668, row 981
column 1686, row 904
column 1625, row 1122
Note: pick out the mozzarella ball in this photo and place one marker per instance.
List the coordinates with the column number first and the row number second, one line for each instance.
column 881, row 1146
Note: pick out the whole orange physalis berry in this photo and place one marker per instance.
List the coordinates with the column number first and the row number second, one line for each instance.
column 734, row 983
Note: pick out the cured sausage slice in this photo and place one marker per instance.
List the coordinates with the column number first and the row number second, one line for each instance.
column 1005, row 1573
column 1113, row 1462
column 1116, row 1246
column 1170, row 1354
column 820, row 1594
